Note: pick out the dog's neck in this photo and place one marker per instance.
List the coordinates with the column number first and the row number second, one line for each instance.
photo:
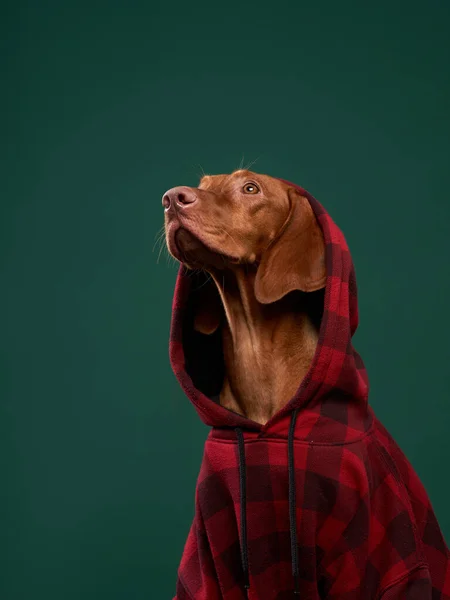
column 267, row 348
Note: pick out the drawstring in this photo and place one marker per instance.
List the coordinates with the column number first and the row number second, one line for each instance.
column 292, row 505
column 243, row 495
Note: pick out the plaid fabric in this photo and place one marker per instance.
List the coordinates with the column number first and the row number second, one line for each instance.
column 365, row 525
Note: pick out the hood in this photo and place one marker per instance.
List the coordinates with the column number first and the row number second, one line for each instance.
column 335, row 389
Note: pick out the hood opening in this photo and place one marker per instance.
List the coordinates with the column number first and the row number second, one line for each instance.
column 204, row 358
column 336, row 385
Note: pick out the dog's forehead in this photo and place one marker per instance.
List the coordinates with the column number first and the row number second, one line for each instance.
column 212, row 181
column 229, row 180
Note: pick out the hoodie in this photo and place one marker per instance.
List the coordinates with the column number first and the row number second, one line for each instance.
column 320, row 502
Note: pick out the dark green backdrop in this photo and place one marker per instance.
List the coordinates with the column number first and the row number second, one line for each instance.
column 107, row 105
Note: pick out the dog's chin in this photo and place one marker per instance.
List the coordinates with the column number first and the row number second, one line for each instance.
column 187, row 248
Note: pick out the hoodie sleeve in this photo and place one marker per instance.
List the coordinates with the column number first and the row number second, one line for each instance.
column 378, row 551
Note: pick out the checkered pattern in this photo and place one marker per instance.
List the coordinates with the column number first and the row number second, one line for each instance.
column 366, row 529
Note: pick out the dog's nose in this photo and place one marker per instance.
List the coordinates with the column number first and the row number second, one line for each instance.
column 178, row 197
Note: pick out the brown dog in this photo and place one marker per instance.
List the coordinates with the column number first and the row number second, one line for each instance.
column 296, row 468
column 247, row 230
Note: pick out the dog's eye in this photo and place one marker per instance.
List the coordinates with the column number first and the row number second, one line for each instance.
column 250, row 188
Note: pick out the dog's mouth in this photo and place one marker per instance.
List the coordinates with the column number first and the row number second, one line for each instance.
column 187, row 247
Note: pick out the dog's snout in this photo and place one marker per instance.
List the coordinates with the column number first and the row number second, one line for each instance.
column 178, row 196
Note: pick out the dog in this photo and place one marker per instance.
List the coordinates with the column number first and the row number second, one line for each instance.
column 301, row 491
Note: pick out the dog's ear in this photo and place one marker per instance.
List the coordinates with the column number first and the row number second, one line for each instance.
column 208, row 308
column 296, row 259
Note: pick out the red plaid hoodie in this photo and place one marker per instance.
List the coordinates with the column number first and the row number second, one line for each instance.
column 318, row 503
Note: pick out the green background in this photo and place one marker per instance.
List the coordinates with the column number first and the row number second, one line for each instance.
column 107, row 105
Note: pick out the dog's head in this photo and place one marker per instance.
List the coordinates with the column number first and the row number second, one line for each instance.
column 247, row 220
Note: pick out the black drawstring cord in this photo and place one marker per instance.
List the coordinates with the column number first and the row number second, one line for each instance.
column 293, row 503
column 243, row 498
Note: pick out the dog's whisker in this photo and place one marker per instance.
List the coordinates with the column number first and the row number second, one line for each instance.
column 159, row 230
column 169, row 258
column 160, row 238
column 162, row 245
column 247, row 167
column 229, row 234
column 200, row 174
column 209, row 278
column 159, row 234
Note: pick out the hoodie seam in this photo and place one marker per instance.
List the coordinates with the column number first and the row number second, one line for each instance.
column 366, row 434
column 401, row 578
